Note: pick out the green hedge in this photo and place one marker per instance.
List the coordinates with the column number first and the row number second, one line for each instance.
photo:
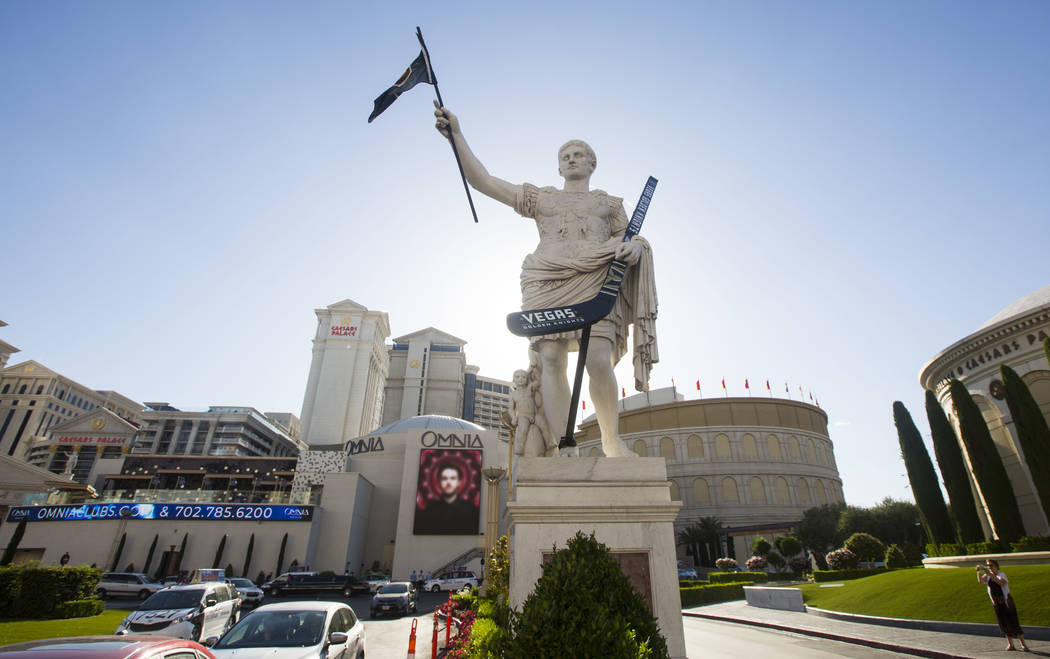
column 1031, row 544
column 718, row 592
column 994, row 547
column 79, row 608
column 689, row 583
column 31, row 591
column 727, row 577
column 844, row 575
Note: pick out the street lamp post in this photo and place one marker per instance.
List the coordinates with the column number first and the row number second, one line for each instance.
column 493, row 475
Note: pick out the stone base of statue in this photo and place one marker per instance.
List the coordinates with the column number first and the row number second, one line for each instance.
column 625, row 502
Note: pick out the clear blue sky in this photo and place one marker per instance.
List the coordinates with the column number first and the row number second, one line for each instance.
column 845, row 188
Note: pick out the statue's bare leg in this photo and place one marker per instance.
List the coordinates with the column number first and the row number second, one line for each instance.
column 554, row 385
column 602, row 382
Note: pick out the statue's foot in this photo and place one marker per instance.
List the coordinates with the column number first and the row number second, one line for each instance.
column 550, row 452
column 568, row 452
column 615, row 448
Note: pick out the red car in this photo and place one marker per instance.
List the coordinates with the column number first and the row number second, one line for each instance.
column 107, row 647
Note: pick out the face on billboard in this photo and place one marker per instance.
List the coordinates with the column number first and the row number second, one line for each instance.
column 448, row 493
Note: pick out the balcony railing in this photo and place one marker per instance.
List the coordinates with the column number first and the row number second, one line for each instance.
column 200, row 496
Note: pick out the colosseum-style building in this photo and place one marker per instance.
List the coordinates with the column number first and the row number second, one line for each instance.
column 1014, row 337
column 754, row 463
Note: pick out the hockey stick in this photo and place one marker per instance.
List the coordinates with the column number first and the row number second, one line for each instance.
column 570, row 317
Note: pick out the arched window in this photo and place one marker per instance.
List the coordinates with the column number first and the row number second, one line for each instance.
column 1038, row 383
column 701, row 493
column 22, row 389
column 729, row 492
column 641, row 448
column 675, row 495
column 722, row 447
column 822, row 495
column 783, row 495
column 667, row 448
column 803, row 491
column 807, row 450
column 757, row 490
column 773, row 447
column 696, row 447
column 793, row 449
column 749, row 446
column 594, row 452
column 39, row 390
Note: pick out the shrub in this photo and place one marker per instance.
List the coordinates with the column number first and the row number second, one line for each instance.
column 844, row 575
column 775, row 559
column 865, row 546
column 722, row 592
column 31, row 591
column 895, row 557
column 726, row 564
column 584, row 606
column 327, row 573
column 798, row 564
column 994, row 547
column 729, row 577
column 841, row 559
column 756, row 563
column 1031, row 544
column 788, row 545
column 79, row 608
column 760, row 547
column 945, row 549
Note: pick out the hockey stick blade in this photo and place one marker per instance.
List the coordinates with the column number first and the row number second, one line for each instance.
column 571, row 317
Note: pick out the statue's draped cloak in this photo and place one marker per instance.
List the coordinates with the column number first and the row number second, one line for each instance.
column 554, row 280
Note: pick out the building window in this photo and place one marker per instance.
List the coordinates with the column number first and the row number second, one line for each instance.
column 641, row 449
column 793, row 450
column 807, row 450
column 40, row 390
column 783, row 495
column 701, row 492
column 773, row 447
column 750, row 446
column 822, row 495
column 667, row 448
column 695, row 446
column 803, row 491
column 757, row 490
column 722, row 449
column 729, row 492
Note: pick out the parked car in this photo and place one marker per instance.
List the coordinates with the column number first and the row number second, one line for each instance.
column 685, row 573
column 375, row 580
column 282, row 579
column 107, row 647
column 452, row 580
column 294, row 629
column 316, row 584
column 395, row 597
column 194, row 611
column 251, row 595
column 126, row 584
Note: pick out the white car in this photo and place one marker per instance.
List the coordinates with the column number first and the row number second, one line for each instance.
column 376, row 581
column 452, row 580
column 195, row 611
column 134, row 584
column 294, row 630
column 251, row 595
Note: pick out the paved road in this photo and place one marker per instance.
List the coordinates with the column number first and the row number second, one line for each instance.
column 709, row 638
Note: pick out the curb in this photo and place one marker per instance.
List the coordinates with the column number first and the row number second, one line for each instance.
column 976, row 628
column 918, row 652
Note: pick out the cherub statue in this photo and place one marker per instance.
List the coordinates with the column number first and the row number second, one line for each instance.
column 526, row 413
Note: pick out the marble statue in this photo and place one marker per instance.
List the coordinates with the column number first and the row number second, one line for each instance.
column 526, row 414
column 580, row 232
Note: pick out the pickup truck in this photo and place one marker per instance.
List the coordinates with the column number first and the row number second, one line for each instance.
column 315, row 584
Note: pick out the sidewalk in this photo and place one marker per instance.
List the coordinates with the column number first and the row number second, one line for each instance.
column 938, row 640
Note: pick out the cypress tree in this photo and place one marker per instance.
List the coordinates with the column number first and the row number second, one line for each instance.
column 248, row 556
column 280, row 555
column 120, row 550
column 932, row 511
column 1032, row 432
column 1046, row 348
column 12, row 544
column 149, row 556
column 953, row 471
column 182, row 552
column 218, row 552
column 987, row 466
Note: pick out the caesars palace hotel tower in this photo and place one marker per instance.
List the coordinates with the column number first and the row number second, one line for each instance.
column 344, row 391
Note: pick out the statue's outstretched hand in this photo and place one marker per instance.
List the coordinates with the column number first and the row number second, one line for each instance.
column 445, row 120
column 629, row 252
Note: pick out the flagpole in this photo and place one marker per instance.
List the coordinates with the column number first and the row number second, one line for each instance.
column 455, row 151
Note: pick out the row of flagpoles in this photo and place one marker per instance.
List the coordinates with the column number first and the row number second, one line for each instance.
column 725, row 391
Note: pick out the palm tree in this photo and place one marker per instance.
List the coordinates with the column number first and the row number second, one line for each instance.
column 693, row 538
column 711, row 527
column 701, row 539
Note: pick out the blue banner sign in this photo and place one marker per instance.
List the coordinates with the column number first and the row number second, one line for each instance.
column 220, row 512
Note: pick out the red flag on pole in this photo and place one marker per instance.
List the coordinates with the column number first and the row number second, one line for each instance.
column 746, row 385
column 698, row 385
column 584, row 404
column 767, row 386
column 786, row 388
column 623, row 392
column 723, row 383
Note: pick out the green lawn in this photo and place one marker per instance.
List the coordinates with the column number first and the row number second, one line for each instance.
column 16, row 631
column 945, row 594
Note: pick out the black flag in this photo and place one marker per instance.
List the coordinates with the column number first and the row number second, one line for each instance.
column 417, row 72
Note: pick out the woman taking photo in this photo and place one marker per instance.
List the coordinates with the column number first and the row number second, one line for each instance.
column 1005, row 610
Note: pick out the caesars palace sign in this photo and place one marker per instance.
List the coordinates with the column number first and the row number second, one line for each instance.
column 429, row 439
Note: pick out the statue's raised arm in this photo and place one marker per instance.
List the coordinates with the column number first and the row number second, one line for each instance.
column 479, row 178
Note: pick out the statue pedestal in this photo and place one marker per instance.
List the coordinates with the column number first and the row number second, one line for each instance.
column 625, row 502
